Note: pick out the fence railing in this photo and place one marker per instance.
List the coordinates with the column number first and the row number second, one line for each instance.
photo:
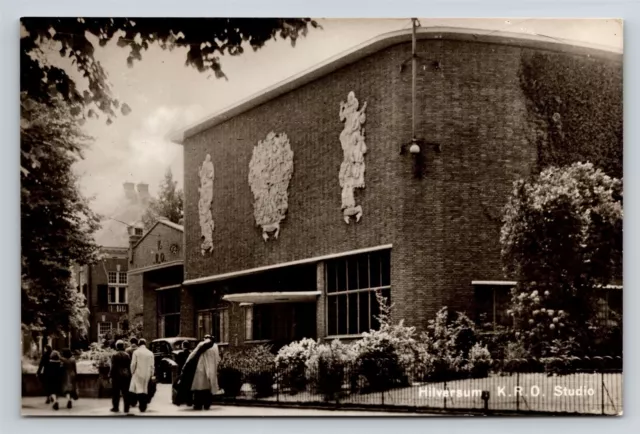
column 576, row 386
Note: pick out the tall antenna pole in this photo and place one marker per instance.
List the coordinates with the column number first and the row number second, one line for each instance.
column 414, row 61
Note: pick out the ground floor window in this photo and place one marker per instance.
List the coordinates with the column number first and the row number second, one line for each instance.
column 169, row 313
column 351, row 284
column 214, row 322
column 258, row 322
column 491, row 304
column 104, row 328
column 117, row 294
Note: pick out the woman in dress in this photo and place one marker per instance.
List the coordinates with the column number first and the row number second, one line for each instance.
column 68, row 377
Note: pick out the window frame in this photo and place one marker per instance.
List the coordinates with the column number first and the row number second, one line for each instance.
column 111, row 274
column 100, row 324
column 117, row 295
column 223, row 312
column 122, row 281
column 491, row 286
column 371, row 290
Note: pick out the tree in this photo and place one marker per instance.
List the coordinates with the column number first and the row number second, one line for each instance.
column 562, row 242
column 168, row 204
column 57, row 223
column 206, row 39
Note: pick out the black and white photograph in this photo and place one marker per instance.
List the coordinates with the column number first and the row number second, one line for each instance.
column 321, row 217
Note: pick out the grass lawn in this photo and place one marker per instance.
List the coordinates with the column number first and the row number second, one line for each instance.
column 576, row 393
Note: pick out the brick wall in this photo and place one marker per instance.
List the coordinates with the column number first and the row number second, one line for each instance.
column 157, row 242
column 444, row 225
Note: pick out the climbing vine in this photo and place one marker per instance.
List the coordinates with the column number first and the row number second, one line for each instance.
column 575, row 105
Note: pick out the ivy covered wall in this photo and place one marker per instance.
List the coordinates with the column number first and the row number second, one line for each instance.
column 575, row 106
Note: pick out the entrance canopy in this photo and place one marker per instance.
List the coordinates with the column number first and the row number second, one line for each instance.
column 273, row 297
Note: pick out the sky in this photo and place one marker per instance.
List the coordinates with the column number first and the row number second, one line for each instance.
column 165, row 95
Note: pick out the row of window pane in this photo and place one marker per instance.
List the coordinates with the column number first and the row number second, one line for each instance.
column 369, row 270
column 117, row 295
column 354, row 313
column 116, row 277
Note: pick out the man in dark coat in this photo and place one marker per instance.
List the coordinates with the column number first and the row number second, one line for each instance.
column 181, row 393
column 120, row 378
column 183, row 355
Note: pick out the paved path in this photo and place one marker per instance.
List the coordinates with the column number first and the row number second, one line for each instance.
column 162, row 406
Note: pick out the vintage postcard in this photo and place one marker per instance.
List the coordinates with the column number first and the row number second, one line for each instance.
column 308, row 217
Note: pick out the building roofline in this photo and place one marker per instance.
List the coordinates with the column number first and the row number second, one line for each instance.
column 164, row 222
column 382, row 42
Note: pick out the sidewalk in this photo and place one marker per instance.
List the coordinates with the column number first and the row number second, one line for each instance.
column 162, row 406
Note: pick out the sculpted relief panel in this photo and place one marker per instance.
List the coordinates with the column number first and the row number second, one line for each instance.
column 353, row 149
column 270, row 171
column 206, row 174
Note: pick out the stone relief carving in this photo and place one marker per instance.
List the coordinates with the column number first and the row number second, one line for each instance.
column 206, row 174
column 270, row 171
column 353, row 149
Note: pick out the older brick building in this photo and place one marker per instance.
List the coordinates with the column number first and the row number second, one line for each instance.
column 429, row 232
column 155, row 277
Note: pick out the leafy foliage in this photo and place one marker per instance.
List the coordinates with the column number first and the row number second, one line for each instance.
column 576, row 104
column 57, row 223
column 206, row 39
column 168, row 204
column 561, row 240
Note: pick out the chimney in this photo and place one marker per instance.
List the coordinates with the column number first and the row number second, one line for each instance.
column 135, row 233
column 143, row 193
column 130, row 192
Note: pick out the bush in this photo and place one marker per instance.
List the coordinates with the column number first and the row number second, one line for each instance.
column 291, row 363
column 480, row 362
column 381, row 368
column 328, row 366
column 450, row 349
column 99, row 356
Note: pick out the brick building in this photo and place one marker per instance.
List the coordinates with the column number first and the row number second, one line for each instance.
column 425, row 227
column 104, row 283
column 155, row 278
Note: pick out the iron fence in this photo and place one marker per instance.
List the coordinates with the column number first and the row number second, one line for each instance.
column 575, row 386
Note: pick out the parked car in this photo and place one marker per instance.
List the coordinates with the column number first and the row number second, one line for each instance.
column 164, row 352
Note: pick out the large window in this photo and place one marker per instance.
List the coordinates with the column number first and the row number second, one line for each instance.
column 117, row 295
column 351, row 283
column 214, row 322
column 491, row 302
column 169, row 313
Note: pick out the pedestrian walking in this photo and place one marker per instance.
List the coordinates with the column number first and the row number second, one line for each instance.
column 54, row 378
column 69, row 373
column 120, row 375
column 183, row 355
column 43, row 373
column 142, row 369
column 205, row 379
column 133, row 345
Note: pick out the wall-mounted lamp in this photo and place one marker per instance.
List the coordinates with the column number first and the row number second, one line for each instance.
column 416, row 146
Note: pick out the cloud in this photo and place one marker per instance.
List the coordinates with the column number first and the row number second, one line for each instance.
column 141, row 156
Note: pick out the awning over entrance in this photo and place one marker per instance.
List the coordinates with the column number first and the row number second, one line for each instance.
column 273, row 297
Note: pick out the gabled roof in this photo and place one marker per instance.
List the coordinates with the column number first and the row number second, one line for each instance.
column 385, row 41
column 165, row 222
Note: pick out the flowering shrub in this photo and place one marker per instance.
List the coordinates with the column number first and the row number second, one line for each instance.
column 328, row 366
column 386, row 356
column 479, row 362
column 561, row 240
column 449, row 349
column 291, row 363
column 101, row 357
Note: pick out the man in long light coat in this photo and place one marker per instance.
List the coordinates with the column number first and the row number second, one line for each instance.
column 205, row 380
column 142, row 367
